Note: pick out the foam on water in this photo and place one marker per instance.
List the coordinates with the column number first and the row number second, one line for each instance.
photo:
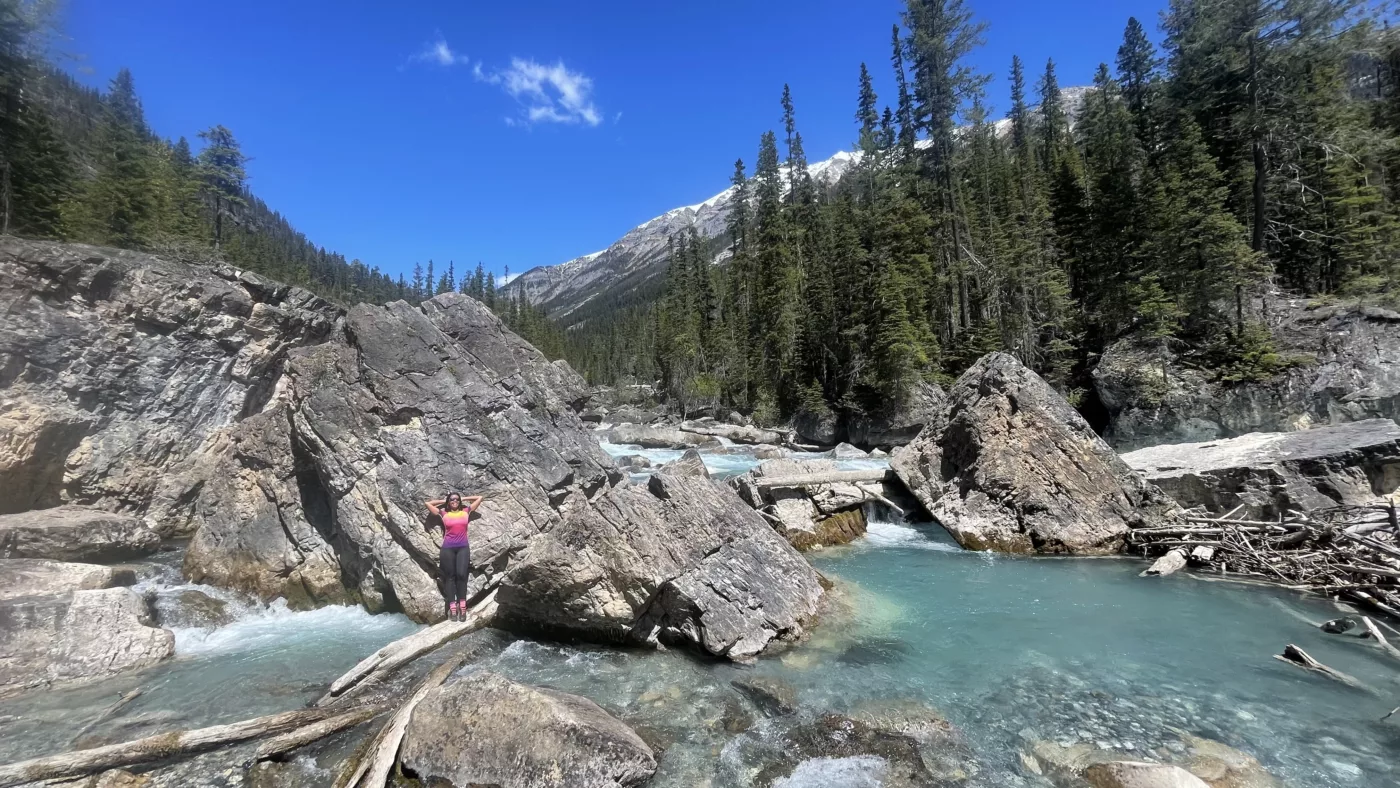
column 886, row 534
column 864, row 771
column 273, row 627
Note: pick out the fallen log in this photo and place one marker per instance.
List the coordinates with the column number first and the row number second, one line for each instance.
column 153, row 748
column 404, row 650
column 373, row 769
column 1375, row 632
column 833, row 477
column 287, row 742
column 881, row 498
column 1300, row 658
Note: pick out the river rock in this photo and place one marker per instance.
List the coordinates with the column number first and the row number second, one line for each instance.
column 689, row 464
column 75, row 533
column 487, row 730
column 680, row 559
column 1011, row 466
column 820, row 427
column 846, row 451
column 1171, row 563
column 902, row 425
column 76, row 638
column 750, row 436
column 654, row 437
column 773, row 696
column 118, row 365
column 1137, row 774
column 1270, row 473
column 33, row 577
column 1222, row 766
column 1348, row 369
column 191, row 608
column 832, row 736
column 633, row 461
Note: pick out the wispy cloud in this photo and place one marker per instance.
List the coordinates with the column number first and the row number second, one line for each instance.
column 549, row 94
column 440, row 53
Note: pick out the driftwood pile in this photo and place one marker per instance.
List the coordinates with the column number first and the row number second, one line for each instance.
column 1351, row 552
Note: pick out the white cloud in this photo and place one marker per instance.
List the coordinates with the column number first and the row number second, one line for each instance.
column 440, row 53
column 549, row 94
column 502, row 281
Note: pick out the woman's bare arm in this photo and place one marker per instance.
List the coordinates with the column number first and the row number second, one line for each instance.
column 473, row 502
column 433, row 506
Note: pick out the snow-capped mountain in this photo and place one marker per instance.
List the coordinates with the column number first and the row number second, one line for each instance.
column 638, row 258
column 640, row 255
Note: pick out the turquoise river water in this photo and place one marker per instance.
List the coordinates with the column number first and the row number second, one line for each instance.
column 1011, row 650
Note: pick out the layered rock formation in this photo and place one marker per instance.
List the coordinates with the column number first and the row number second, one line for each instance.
column 1271, row 473
column 20, row 577
column 1347, row 369
column 1011, row 466
column 75, row 533
column 115, row 365
column 299, row 441
column 487, row 730
column 75, row 638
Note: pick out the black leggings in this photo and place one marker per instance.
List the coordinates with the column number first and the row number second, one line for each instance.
column 455, row 564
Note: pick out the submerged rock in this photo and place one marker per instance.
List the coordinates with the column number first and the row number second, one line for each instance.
column 1171, row 563
column 487, row 730
column 1011, row 466
column 191, row 608
column 75, row 638
column 1138, row 774
column 773, row 696
column 33, row 577
column 834, row 736
column 680, row 559
column 75, row 533
column 1270, row 473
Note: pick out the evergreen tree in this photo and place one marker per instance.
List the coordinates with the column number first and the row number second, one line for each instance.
column 118, row 201
column 221, row 164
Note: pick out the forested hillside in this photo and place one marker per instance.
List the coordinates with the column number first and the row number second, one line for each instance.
column 1252, row 152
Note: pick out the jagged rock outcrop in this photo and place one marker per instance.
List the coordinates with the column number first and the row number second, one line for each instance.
column 75, row 533
column 925, row 402
column 680, row 559
column 115, row 366
column 76, row 638
column 1011, row 466
column 689, row 464
column 34, row 577
column 1348, row 369
column 322, row 499
column 1271, row 473
column 487, row 730
column 808, row 516
column 309, row 438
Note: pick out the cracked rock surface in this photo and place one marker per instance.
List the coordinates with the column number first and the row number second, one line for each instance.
column 1011, row 466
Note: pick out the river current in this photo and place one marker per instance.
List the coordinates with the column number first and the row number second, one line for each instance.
column 1011, row 650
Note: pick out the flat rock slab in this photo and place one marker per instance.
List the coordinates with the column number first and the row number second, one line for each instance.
column 21, row 577
column 1273, row 472
column 487, row 730
column 75, row 533
column 76, row 638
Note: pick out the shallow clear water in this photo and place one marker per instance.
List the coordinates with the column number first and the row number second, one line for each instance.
column 1014, row 650
column 269, row 659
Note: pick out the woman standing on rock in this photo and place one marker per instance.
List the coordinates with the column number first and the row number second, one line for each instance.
column 455, row 555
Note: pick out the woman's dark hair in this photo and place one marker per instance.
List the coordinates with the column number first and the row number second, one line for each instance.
column 447, row 501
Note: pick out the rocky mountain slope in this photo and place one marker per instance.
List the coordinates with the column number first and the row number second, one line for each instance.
column 638, row 258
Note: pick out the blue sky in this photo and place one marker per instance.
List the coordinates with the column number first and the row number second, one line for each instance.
column 524, row 133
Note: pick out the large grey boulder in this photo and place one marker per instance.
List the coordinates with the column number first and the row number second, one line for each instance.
column 689, row 464
column 1271, row 473
column 76, row 638
column 1347, row 369
column 321, row 500
column 680, row 559
column 900, row 426
column 820, row 427
column 75, row 533
column 21, row 577
column 1011, row 466
column 115, row 366
column 487, row 730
